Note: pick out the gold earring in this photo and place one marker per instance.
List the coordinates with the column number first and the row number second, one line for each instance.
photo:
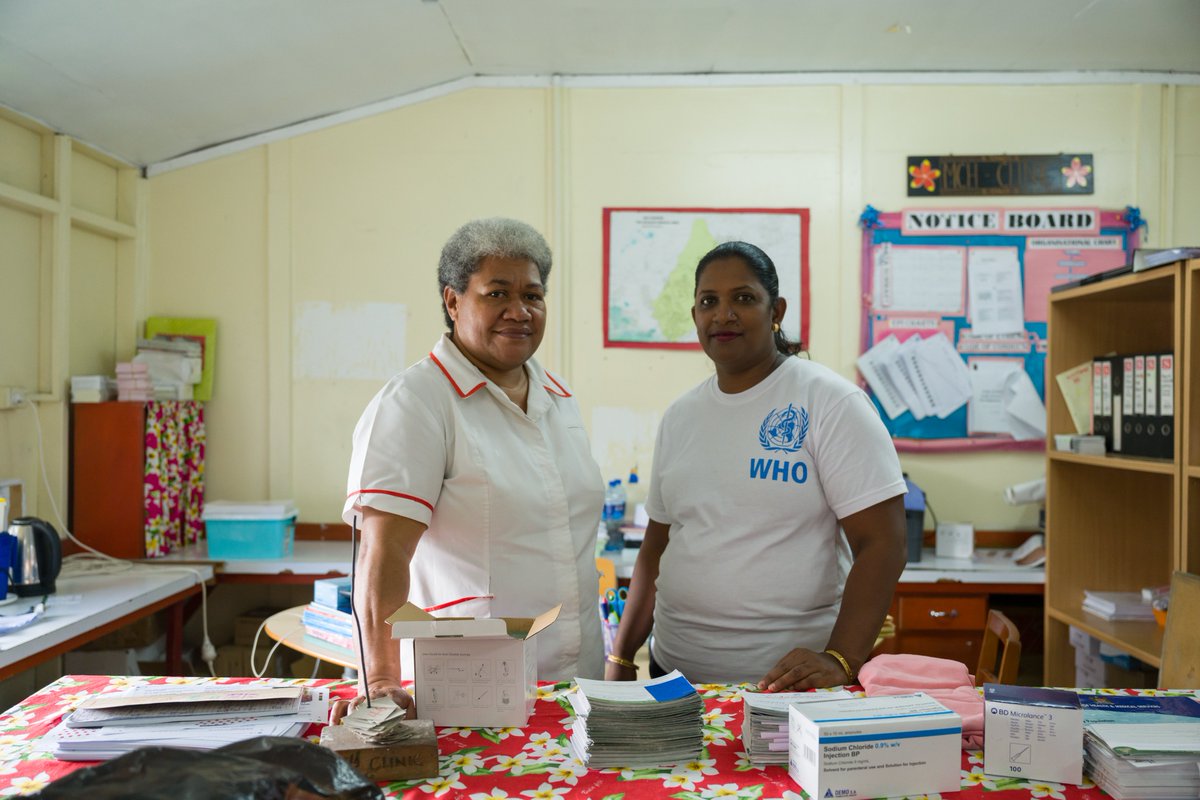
column 775, row 327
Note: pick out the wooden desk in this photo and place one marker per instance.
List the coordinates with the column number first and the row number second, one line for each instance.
column 105, row 603
column 286, row 627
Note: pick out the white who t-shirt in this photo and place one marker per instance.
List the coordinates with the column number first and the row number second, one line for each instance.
column 511, row 499
column 753, row 485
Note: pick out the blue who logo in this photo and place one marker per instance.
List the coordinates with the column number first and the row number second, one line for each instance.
column 784, row 430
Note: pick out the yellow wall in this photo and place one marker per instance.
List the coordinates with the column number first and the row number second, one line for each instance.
column 70, row 275
column 335, row 221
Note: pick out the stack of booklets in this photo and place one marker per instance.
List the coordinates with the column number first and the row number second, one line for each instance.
column 638, row 724
column 1117, row 605
column 202, row 717
column 133, row 382
column 1142, row 747
column 765, row 724
column 329, row 625
column 92, row 388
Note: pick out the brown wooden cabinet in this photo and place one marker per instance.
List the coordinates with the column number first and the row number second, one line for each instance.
column 1114, row 522
column 107, row 509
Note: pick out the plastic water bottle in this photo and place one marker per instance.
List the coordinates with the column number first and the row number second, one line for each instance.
column 614, row 514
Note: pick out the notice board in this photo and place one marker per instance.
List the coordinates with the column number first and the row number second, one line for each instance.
column 975, row 282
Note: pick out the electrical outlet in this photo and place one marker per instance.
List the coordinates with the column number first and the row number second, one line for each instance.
column 11, row 396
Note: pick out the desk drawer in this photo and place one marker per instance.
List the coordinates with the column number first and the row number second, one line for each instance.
column 943, row 613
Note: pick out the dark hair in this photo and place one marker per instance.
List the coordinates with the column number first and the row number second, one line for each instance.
column 764, row 270
column 495, row 236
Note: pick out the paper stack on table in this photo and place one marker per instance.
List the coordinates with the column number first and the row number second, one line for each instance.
column 765, row 724
column 639, row 724
column 1142, row 747
column 1117, row 605
column 384, row 722
column 202, row 717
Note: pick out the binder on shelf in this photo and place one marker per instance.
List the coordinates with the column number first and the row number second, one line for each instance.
column 1127, row 404
column 1102, row 400
column 1161, row 429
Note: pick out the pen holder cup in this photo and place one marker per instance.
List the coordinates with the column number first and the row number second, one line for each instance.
column 608, row 630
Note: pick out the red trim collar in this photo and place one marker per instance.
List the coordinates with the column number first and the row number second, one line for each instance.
column 457, row 388
column 562, row 392
column 414, row 498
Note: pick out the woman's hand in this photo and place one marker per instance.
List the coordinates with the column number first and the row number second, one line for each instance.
column 804, row 669
column 619, row 672
column 383, row 688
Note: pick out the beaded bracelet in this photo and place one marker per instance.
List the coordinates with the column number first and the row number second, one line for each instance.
column 624, row 662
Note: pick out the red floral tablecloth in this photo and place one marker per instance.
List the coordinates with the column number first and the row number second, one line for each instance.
column 529, row 763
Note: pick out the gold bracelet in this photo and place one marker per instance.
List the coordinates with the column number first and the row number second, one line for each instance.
column 624, row 662
column 845, row 664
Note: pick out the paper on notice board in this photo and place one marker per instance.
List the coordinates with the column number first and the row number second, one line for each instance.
column 944, row 374
column 1076, row 387
column 989, row 379
column 994, row 283
column 907, row 381
column 877, row 368
column 1026, row 412
column 1004, row 400
column 919, row 279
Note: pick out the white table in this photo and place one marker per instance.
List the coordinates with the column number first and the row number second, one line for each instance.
column 310, row 560
column 85, row 608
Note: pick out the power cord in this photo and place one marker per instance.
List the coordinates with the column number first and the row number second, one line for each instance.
column 95, row 562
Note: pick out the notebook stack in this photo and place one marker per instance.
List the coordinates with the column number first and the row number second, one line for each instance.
column 1117, row 605
column 329, row 625
column 133, row 383
column 1142, row 747
column 638, row 724
column 765, row 726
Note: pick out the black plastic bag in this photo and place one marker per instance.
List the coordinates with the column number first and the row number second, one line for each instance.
column 263, row 768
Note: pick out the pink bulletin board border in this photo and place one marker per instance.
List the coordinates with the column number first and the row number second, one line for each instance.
column 893, row 219
column 803, row 213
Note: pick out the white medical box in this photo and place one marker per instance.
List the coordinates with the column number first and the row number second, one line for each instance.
column 1032, row 734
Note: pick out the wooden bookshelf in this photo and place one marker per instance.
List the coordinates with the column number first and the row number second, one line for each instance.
column 1118, row 523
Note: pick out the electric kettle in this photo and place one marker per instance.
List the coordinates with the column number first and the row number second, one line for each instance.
column 38, row 558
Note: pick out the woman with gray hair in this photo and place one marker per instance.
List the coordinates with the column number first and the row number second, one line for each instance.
column 471, row 474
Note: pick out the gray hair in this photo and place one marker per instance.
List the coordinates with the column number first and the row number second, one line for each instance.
column 480, row 238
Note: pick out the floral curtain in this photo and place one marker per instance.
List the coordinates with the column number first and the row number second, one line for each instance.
column 174, row 483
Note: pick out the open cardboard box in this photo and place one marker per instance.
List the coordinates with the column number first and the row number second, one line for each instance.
column 473, row 672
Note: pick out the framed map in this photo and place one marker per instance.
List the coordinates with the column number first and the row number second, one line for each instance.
column 650, row 257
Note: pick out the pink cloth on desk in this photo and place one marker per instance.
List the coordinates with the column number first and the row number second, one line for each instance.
column 946, row 681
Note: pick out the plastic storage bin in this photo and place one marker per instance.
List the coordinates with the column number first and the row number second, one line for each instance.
column 250, row 530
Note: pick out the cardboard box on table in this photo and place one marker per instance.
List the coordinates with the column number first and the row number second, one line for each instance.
column 1033, row 734
column 472, row 672
column 874, row 747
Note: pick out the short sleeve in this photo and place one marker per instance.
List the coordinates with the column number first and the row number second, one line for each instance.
column 858, row 461
column 399, row 458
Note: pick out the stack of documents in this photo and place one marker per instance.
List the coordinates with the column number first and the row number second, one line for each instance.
column 1117, row 605
column 201, row 717
column 92, row 388
column 639, row 724
column 765, row 724
column 1142, row 747
column 133, row 383
column 384, row 722
column 329, row 625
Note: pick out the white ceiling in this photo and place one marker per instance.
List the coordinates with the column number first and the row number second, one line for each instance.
column 150, row 80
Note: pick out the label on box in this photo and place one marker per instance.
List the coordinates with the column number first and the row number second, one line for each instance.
column 1033, row 734
column 475, row 682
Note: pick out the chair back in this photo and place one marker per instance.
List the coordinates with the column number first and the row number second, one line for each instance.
column 1001, row 641
column 1181, row 640
column 608, row 574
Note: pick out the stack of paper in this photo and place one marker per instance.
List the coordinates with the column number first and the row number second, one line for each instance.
column 133, row 382
column 1142, row 747
column 173, row 365
column 638, row 724
column 1117, row 605
column 329, row 625
column 92, row 388
column 383, row 722
column 200, row 717
column 765, row 724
